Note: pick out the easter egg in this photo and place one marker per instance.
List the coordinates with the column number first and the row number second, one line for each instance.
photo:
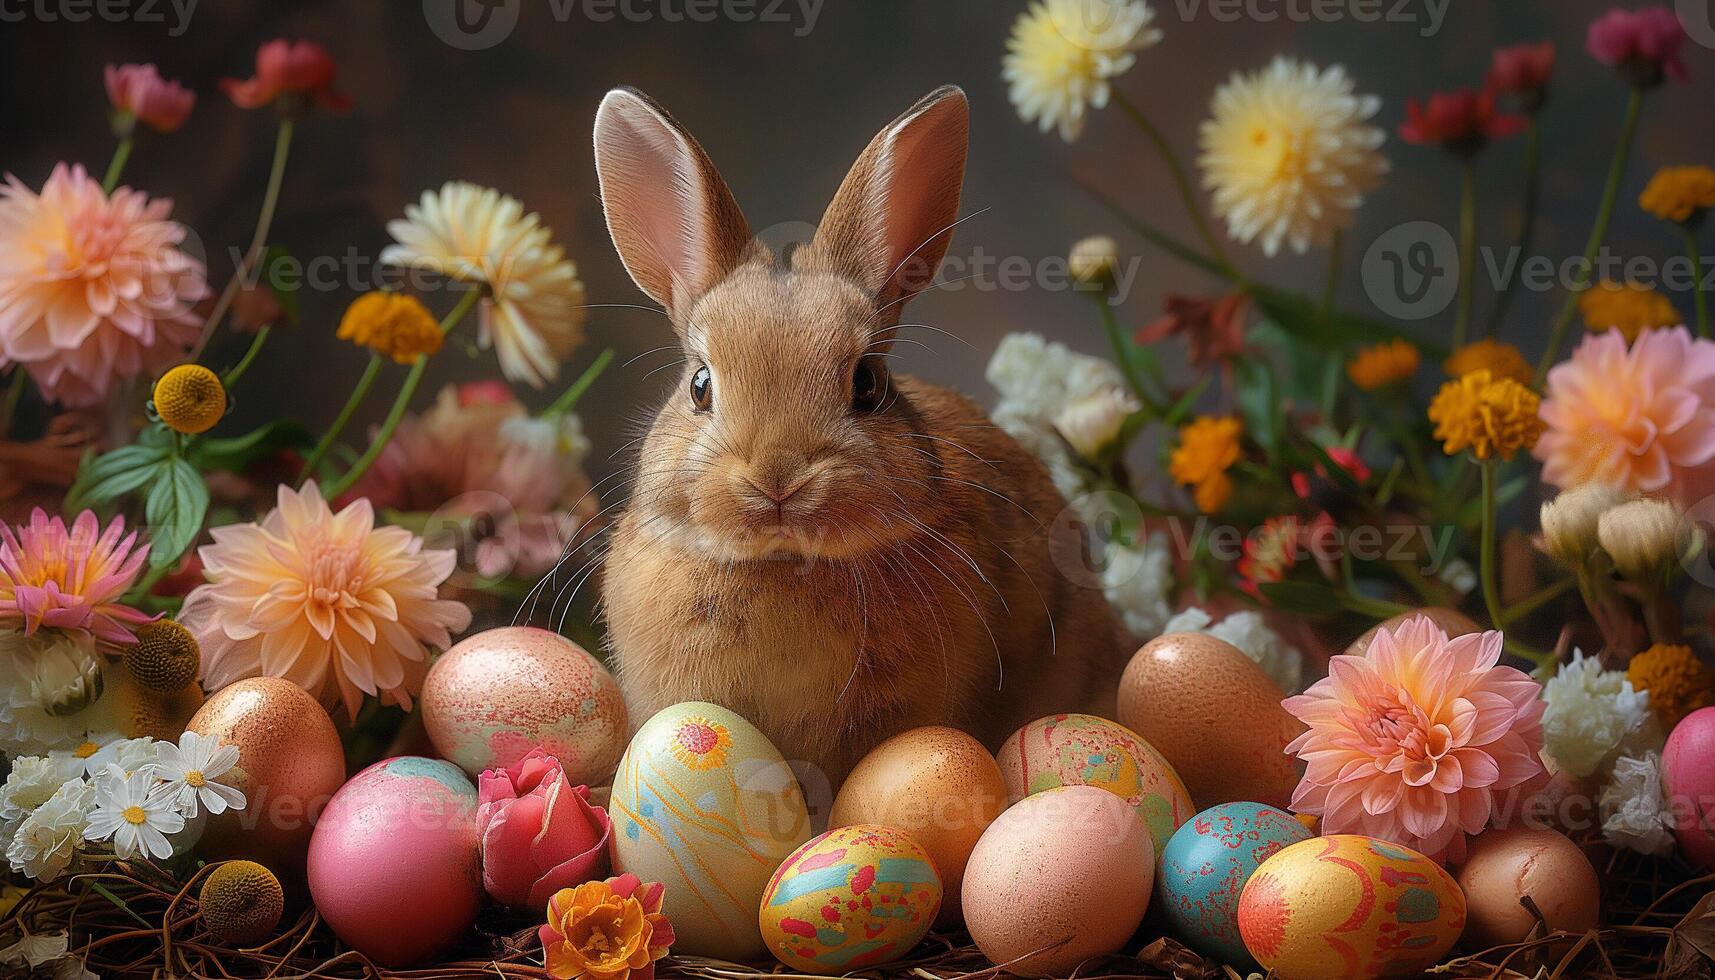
column 850, row 899
column 940, row 786
column 705, row 804
column 393, row 866
column 1214, row 715
column 1206, row 864
column 290, row 763
column 1348, row 907
column 1083, row 750
column 500, row 693
column 1451, row 621
column 1688, row 778
column 1504, row 865
column 1063, row 876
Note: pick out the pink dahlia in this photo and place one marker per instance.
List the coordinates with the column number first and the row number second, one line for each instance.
column 1413, row 741
column 1639, row 419
column 70, row 579
column 92, row 287
column 139, row 94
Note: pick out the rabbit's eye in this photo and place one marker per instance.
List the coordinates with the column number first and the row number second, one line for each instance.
column 703, row 389
column 867, row 387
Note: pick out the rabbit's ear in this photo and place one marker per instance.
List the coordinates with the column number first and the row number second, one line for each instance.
column 892, row 220
column 672, row 218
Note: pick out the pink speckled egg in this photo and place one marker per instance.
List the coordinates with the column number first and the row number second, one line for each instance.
column 1688, row 776
column 393, row 864
column 497, row 695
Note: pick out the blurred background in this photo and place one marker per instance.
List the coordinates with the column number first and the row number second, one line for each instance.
column 784, row 99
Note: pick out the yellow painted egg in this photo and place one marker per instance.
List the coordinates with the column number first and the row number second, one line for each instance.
column 1083, row 750
column 1348, row 907
column 850, row 899
column 705, row 804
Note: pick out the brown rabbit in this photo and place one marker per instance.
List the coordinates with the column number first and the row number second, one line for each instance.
column 835, row 552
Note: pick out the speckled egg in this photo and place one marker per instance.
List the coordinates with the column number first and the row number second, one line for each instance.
column 937, row 784
column 1214, row 715
column 290, row 763
column 1451, row 621
column 1206, row 864
column 1063, row 876
column 705, row 804
column 1688, row 777
column 393, row 866
column 500, row 693
column 1506, row 864
column 1348, row 907
column 850, row 899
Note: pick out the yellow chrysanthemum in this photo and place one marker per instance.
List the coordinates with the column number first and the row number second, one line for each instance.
column 1628, row 307
column 1500, row 359
column 190, row 399
column 1677, row 681
column 1679, row 193
column 395, row 325
column 1492, row 417
column 1207, row 448
column 165, row 657
column 1384, row 364
column 242, row 902
column 1062, row 54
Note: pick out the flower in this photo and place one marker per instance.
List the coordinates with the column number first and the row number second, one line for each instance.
column 93, row 287
column 43, row 680
column 70, row 579
column 1499, row 358
column 1643, row 45
column 1270, row 552
column 397, row 325
column 1634, row 810
column 1138, row 582
column 1594, row 715
column 1681, row 194
column 139, row 94
column 33, row 781
column 532, row 310
column 165, row 657
column 1645, row 538
column 1570, row 520
column 255, row 306
column 1289, row 155
column 241, row 902
column 1214, row 327
column 299, row 72
column 1346, row 459
column 328, row 601
column 1523, row 70
column 190, row 399
column 1207, row 447
column 1093, row 261
column 1043, row 377
column 1676, row 680
column 189, row 771
column 135, row 818
column 1492, row 417
column 1384, row 364
column 1412, row 741
column 1093, row 423
column 1462, row 121
column 46, row 843
column 1249, row 632
column 701, row 744
column 606, row 930
column 1062, row 54
column 1641, row 419
column 539, row 834
column 1628, row 307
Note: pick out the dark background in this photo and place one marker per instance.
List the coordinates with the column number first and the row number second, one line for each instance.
column 783, row 115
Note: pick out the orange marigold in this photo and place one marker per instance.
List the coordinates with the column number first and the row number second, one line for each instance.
column 1492, row 417
column 1679, row 193
column 1500, row 359
column 1629, row 307
column 1207, row 448
column 1677, row 681
column 1384, row 364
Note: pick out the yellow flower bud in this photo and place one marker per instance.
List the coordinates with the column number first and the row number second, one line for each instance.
column 1645, row 538
column 1569, row 520
column 242, row 902
column 1094, row 261
column 190, row 399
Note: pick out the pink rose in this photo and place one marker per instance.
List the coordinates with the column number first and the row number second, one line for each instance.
column 538, row 833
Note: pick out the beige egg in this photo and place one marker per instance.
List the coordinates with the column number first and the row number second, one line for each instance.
column 938, row 785
column 1215, row 716
column 1451, row 621
column 290, row 763
column 1504, row 865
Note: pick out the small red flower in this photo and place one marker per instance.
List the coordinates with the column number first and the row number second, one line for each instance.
column 1523, row 70
column 1270, row 552
column 1643, row 45
column 298, row 70
column 1462, row 120
column 1344, row 458
column 139, row 94
column 1214, row 327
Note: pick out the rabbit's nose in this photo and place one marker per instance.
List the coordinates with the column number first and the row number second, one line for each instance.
column 777, row 490
column 777, row 480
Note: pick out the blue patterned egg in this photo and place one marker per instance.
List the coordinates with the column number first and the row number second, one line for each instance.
column 1204, row 868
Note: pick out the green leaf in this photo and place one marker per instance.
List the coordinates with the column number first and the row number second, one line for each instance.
column 238, row 453
column 1259, row 404
column 1304, row 598
column 177, row 504
column 107, row 477
column 1187, row 402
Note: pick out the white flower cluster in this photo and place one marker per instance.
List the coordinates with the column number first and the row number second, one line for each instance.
column 1593, row 717
column 50, row 692
column 141, row 796
column 1247, row 630
column 1138, row 581
column 1634, row 807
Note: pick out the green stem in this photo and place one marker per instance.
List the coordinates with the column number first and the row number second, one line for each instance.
column 569, row 400
column 264, row 222
column 1336, row 252
column 1181, row 182
column 1696, row 257
column 1542, row 597
column 1491, row 590
column 1467, row 252
column 1364, row 605
column 121, row 154
column 1116, row 337
column 1527, row 222
column 14, row 395
column 1598, row 233
column 231, row 377
column 358, row 394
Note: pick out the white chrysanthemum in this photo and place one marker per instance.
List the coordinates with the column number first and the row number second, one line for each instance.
column 1634, row 809
column 189, row 771
column 1594, row 715
column 32, row 781
column 533, row 314
column 1063, row 53
column 46, row 843
column 1289, row 155
column 1247, row 630
column 1139, row 582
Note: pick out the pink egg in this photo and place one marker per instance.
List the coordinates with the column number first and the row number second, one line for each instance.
column 393, row 865
column 1688, row 776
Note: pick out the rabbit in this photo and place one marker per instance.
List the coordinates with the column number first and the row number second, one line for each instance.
column 835, row 552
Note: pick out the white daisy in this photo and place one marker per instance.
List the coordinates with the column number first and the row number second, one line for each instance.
column 1063, row 53
column 137, row 819
column 189, row 770
column 45, row 844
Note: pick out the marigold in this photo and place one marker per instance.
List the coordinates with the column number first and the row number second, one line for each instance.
column 1500, row 359
column 397, row 325
column 1384, row 364
column 606, row 930
column 1493, row 417
column 1679, row 193
column 190, row 399
column 1207, row 447
column 1628, row 307
column 1677, row 681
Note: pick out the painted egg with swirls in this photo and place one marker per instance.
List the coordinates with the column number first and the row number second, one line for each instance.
column 1348, row 907
column 1206, row 864
column 705, row 804
column 850, row 899
column 1084, row 750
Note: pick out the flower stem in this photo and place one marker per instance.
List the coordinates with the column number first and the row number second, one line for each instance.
column 1116, row 337
column 572, row 395
column 1467, row 252
column 1181, row 182
column 1696, row 257
column 121, row 154
column 1527, row 222
column 231, row 377
column 1491, row 591
column 264, row 222
column 1599, row 232
column 358, row 394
